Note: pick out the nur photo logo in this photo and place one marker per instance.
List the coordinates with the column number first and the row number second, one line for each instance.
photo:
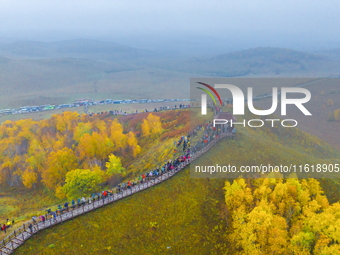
column 239, row 102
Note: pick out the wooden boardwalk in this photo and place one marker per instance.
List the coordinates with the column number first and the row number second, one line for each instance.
column 19, row 236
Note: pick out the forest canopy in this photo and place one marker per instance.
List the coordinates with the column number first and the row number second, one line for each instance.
column 281, row 216
column 53, row 151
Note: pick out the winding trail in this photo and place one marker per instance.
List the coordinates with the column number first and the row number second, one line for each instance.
column 19, row 236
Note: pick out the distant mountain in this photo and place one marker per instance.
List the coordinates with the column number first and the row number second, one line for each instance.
column 333, row 54
column 80, row 48
column 261, row 61
column 269, row 54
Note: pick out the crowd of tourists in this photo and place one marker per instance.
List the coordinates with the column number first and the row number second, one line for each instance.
column 181, row 152
column 162, row 108
column 179, row 158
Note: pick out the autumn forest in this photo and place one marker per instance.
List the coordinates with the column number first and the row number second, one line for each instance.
column 52, row 152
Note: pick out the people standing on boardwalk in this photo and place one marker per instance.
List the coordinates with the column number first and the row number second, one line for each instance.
column 59, row 209
column 8, row 223
column 30, row 226
column 66, row 206
column 178, row 163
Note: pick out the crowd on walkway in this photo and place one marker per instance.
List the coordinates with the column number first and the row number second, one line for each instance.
column 181, row 155
column 143, row 178
column 184, row 156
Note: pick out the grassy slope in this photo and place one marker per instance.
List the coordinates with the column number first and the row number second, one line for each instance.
column 317, row 124
column 188, row 212
column 181, row 214
column 58, row 81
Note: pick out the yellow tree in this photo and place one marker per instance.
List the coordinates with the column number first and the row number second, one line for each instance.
column 262, row 232
column 99, row 126
column 36, row 156
column 114, row 166
column 29, row 178
column 132, row 142
column 81, row 182
column 58, row 164
column 276, row 216
column 145, row 127
column 155, row 123
column 94, row 148
column 117, row 135
column 82, row 129
column 7, row 170
column 151, row 124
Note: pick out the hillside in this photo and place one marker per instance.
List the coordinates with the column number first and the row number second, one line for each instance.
column 51, row 81
column 64, row 80
column 266, row 61
column 185, row 214
column 80, row 48
column 322, row 91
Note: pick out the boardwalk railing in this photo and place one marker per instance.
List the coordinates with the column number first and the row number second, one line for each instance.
column 18, row 237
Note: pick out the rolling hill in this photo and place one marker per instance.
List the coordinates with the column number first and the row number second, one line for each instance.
column 322, row 90
column 80, row 48
column 264, row 61
column 53, row 81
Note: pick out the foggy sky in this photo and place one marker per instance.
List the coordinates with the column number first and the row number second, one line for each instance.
column 298, row 22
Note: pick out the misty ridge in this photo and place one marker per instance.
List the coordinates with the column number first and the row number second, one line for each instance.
column 85, row 68
column 253, row 61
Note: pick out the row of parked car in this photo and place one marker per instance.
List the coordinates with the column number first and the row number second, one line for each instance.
column 27, row 109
